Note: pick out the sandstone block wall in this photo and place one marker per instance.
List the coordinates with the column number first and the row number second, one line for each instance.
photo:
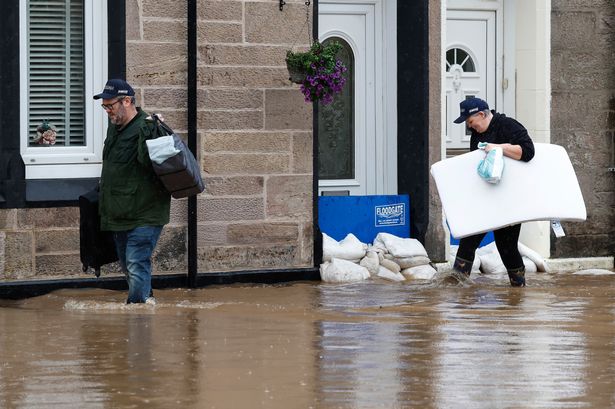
column 435, row 240
column 254, row 141
column 254, row 130
column 583, row 117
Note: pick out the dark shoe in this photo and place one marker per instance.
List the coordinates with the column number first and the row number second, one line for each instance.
column 460, row 277
column 517, row 277
column 452, row 278
column 462, row 269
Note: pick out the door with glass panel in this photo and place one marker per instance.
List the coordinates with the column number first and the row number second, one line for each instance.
column 470, row 67
column 354, row 140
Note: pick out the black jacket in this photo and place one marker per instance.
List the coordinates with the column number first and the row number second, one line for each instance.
column 505, row 130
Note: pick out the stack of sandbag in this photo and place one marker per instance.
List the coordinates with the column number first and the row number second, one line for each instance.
column 340, row 260
column 390, row 258
column 488, row 260
column 381, row 267
column 405, row 256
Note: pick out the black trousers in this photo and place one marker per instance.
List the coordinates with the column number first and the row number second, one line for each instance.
column 506, row 240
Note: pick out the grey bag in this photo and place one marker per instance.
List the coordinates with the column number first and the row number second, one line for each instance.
column 180, row 173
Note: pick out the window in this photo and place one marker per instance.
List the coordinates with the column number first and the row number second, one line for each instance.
column 336, row 135
column 63, row 60
column 457, row 56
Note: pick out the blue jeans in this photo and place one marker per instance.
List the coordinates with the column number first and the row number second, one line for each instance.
column 134, row 249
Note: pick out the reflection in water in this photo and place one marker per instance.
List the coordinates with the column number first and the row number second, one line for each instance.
column 302, row 345
column 480, row 354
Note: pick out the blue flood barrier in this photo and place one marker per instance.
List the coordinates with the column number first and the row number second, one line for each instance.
column 364, row 216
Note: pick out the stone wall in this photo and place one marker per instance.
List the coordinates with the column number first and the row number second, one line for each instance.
column 39, row 243
column 254, row 130
column 435, row 241
column 583, row 117
column 254, row 140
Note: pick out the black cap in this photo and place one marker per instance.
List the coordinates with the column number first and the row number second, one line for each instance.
column 469, row 107
column 116, row 88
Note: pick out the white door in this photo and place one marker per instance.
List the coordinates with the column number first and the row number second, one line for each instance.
column 357, row 132
column 470, row 67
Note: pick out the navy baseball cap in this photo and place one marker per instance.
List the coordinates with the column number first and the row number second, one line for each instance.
column 469, row 107
column 116, row 88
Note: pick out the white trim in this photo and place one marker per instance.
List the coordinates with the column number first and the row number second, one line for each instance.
column 509, row 77
column 63, row 171
column 364, row 178
column 389, row 106
column 376, row 162
column 96, row 46
column 494, row 97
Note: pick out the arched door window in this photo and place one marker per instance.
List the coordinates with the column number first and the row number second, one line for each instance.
column 458, row 56
column 336, row 133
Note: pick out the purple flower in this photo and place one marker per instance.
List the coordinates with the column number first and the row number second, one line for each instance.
column 323, row 82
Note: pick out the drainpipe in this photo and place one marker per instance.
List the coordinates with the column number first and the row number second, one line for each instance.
column 317, row 233
column 192, row 127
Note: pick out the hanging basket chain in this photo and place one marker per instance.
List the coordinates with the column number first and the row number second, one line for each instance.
column 307, row 20
column 306, row 23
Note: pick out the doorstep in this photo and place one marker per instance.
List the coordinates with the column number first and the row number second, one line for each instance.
column 567, row 265
column 560, row 265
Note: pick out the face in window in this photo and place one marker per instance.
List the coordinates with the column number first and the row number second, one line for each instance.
column 479, row 122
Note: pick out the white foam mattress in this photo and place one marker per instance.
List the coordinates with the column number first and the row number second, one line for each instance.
column 545, row 188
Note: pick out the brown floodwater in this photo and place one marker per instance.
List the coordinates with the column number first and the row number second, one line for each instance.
column 313, row 345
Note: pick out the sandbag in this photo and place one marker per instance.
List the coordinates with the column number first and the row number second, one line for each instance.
column 408, row 262
column 491, row 263
column 342, row 271
column 387, row 274
column 422, row 272
column 540, row 262
column 389, row 264
column 349, row 248
column 371, row 262
column 400, row 247
column 530, row 266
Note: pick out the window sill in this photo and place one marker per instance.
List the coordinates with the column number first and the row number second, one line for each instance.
column 51, row 192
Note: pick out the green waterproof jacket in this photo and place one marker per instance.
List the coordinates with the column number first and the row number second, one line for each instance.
column 130, row 193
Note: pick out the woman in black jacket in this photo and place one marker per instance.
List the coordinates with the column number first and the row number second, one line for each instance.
column 497, row 130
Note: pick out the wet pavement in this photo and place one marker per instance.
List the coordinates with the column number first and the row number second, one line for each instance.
column 372, row 344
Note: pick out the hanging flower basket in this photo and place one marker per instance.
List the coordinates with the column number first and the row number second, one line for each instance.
column 296, row 75
column 318, row 70
column 46, row 133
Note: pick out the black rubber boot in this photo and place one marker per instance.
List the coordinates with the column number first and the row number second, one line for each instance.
column 461, row 270
column 462, row 267
column 517, row 277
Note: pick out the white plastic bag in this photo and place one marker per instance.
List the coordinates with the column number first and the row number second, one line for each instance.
column 492, row 167
column 161, row 149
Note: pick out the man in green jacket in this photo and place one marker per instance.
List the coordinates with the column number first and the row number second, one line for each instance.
column 133, row 203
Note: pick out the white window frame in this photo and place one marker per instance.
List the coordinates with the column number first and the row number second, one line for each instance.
column 63, row 162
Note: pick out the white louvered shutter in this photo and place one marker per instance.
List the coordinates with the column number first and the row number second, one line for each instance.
column 56, row 69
